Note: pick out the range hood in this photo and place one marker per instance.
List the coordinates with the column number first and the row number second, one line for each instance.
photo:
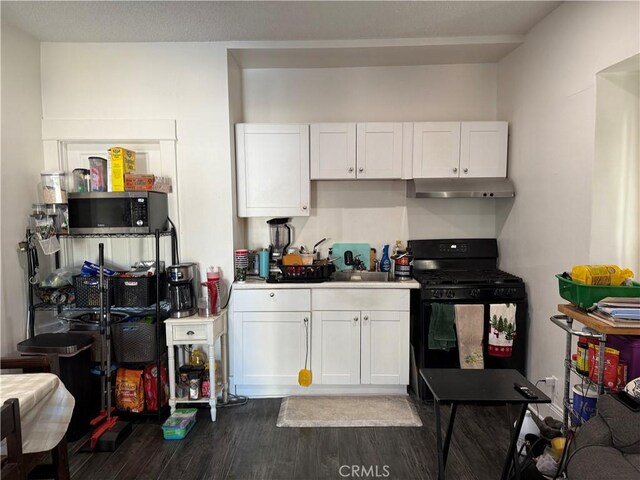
column 460, row 188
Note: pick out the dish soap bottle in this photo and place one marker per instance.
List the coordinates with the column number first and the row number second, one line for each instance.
column 385, row 261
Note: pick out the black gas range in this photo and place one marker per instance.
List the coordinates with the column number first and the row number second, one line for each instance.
column 462, row 271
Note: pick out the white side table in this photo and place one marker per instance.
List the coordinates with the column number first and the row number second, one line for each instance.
column 199, row 331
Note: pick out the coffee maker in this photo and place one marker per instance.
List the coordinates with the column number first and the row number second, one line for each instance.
column 184, row 283
column 280, row 236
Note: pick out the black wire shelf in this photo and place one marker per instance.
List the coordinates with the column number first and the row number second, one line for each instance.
column 113, row 235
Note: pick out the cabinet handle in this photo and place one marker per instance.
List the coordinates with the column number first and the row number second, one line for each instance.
column 190, row 332
column 361, row 169
column 272, row 294
column 304, row 207
column 465, row 170
column 365, row 318
column 306, row 320
column 455, row 169
column 350, row 169
column 355, row 319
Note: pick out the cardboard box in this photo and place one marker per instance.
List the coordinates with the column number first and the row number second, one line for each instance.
column 121, row 162
column 135, row 182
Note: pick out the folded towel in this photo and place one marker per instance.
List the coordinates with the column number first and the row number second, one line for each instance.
column 502, row 329
column 442, row 335
column 470, row 329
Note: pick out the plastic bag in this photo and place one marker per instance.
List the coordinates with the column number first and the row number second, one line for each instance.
column 59, row 278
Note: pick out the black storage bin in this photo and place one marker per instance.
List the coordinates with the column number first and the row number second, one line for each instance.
column 88, row 291
column 74, row 354
column 135, row 341
column 137, row 291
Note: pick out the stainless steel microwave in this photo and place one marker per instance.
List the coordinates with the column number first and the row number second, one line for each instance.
column 117, row 212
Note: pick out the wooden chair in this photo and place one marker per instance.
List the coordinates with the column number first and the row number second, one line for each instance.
column 13, row 463
column 31, row 462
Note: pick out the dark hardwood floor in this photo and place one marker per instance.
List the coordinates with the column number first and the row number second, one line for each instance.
column 245, row 443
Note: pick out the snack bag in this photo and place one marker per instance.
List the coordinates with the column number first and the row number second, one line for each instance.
column 129, row 390
column 151, row 386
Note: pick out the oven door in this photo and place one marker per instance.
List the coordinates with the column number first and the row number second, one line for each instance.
column 423, row 357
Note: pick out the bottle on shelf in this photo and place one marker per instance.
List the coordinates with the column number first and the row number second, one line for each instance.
column 198, row 358
column 213, row 285
column 385, row 261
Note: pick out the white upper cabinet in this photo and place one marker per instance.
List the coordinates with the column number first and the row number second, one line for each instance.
column 272, row 170
column 436, row 149
column 483, row 149
column 333, row 151
column 459, row 149
column 349, row 151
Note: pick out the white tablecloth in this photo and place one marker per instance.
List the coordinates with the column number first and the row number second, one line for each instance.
column 45, row 408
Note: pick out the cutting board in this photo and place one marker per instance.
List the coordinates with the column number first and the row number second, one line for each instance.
column 362, row 249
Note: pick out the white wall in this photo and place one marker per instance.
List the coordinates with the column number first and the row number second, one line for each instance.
column 546, row 90
column 187, row 82
column 615, row 232
column 22, row 160
column 375, row 211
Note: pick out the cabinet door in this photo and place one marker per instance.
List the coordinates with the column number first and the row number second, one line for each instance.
column 483, row 149
column 379, row 150
column 336, row 347
column 436, row 149
column 385, row 348
column 272, row 170
column 333, row 151
column 272, row 346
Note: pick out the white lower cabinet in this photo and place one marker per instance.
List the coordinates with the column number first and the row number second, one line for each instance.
column 272, row 347
column 360, row 347
column 358, row 340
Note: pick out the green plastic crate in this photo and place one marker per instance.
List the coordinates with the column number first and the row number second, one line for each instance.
column 585, row 296
column 179, row 423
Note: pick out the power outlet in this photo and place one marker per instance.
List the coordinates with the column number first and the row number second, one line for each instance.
column 551, row 381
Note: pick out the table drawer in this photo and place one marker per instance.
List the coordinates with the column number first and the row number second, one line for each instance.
column 276, row 300
column 192, row 332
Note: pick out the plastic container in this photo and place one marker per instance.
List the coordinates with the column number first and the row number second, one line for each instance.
column 81, row 179
column 178, row 425
column 629, row 347
column 385, row 261
column 54, row 186
column 585, row 296
column 88, row 291
column 584, row 404
column 582, row 356
column 137, row 291
column 98, row 173
column 264, row 263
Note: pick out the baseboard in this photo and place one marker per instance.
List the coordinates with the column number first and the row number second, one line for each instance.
column 546, row 410
column 271, row 391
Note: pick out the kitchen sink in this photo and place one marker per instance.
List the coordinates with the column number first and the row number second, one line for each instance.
column 360, row 276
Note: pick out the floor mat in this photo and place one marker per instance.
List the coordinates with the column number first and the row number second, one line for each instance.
column 348, row 411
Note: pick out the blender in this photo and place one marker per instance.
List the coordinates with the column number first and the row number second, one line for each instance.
column 280, row 235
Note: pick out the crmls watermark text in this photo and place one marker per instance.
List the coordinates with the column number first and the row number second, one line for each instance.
column 363, row 471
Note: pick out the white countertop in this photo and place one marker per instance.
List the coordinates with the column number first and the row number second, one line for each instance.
column 255, row 283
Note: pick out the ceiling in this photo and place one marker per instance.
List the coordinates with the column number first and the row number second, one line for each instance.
column 181, row 21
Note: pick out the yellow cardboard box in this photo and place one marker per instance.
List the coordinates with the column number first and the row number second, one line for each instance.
column 122, row 161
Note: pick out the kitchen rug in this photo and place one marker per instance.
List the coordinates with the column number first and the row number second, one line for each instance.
column 348, row 411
